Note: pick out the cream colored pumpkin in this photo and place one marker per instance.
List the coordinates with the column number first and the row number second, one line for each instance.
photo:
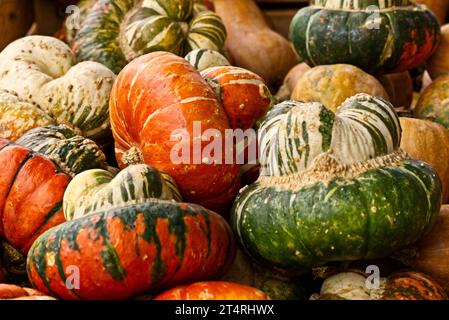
column 40, row 72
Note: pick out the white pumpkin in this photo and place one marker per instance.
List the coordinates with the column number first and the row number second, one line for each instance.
column 40, row 72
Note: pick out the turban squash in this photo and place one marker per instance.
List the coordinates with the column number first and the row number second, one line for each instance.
column 99, row 189
column 157, row 102
column 337, row 183
column 115, row 32
column 377, row 36
column 40, row 85
column 351, row 285
column 31, row 192
column 71, row 152
column 129, row 240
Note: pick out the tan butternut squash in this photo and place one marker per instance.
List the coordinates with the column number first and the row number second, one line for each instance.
column 252, row 44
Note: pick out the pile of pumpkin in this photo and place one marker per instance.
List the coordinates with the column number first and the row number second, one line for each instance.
column 352, row 167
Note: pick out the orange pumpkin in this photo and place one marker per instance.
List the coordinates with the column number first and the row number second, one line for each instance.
column 333, row 84
column 156, row 102
column 243, row 94
column 213, row 290
column 417, row 136
column 31, row 191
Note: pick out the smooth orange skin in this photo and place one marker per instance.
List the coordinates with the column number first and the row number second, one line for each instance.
column 244, row 103
column 213, row 290
column 146, row 108
column 138, row 257
column 38, row 187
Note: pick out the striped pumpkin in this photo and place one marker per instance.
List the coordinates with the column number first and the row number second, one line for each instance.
column 243, row 94
column 71, row 152
column 50, row 89
column 338, row 184
column 115, row 32
column 97, row 189
column 352, row 285
column 153, row 116
column 213, row 290
column 31, row 191
column 202, row 59
column 130, row 250
column 378, row 36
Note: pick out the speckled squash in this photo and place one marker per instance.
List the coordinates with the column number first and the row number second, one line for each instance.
column 396, row 36
column 31, row 191
column 352, row 285
column 202, row 59
column 40, row 72
column 242, row 93
column 438, row 64
column 331, row 85
column 13, row 292
column 153, row 113
column 71, row 152
column 130, row 250
column 429, row 142
column 213, row 290
column 433, row 103
column 97, row 189
column 115, row 32
column 18, row 116
column 338, row 184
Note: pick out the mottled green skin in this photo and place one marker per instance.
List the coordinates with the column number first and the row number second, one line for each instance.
column 72, row 152
column 98, row 38
column 114, row 32
column 325, row 36
column 367, row 217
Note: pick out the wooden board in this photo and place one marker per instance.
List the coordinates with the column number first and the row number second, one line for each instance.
column 16, row 18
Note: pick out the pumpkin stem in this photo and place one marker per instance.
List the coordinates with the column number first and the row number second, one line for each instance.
column 133, row 156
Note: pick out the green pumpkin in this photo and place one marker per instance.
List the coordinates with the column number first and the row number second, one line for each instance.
column 115, row 32
column 97, row 189
column 384, row 36
column 71, row 152
column 334, row 187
